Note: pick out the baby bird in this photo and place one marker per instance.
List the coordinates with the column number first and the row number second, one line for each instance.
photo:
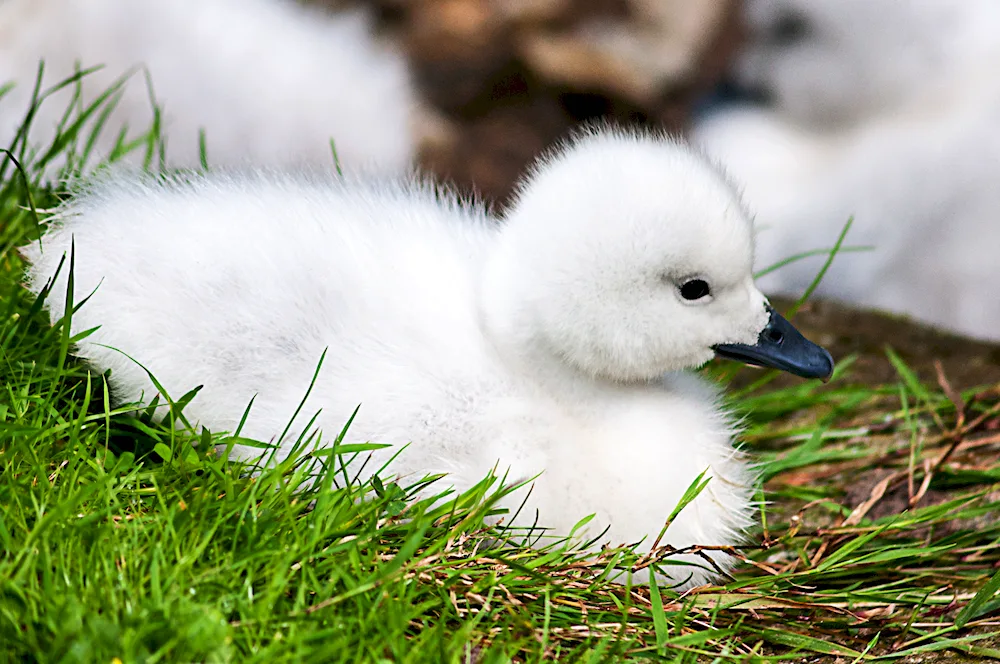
column 269, row 81
column 550, row 341
column 887, row 112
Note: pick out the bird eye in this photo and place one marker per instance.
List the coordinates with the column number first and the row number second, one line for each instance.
column 695, row 289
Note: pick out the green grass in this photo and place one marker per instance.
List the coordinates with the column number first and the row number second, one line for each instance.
column 123, row 538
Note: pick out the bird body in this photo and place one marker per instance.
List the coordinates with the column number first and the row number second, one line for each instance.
column 269, row 82
column 550, row 341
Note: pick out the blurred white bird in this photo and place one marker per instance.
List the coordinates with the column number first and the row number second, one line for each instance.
column 887, row 111
column 269, row 81
column 549, row 340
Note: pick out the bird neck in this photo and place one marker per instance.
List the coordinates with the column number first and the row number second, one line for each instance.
column 511, row 327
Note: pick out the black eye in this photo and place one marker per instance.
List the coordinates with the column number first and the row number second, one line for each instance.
column 789, row 29
column 695, row 289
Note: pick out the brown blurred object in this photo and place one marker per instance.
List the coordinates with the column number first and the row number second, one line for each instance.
column 503, row 79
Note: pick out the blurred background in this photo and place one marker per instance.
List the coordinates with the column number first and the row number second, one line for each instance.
column 494, row 82
column 883, row 112
column 507, row 78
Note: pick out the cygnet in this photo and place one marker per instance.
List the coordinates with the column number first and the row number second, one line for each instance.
column 550, row 341
column 827, row 63
column 888, row 112
column 270, row 82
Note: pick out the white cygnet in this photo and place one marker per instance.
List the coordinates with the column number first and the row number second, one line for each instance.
column 269, row 81
column 827, row 63
column 887, row 111
column 550, row 341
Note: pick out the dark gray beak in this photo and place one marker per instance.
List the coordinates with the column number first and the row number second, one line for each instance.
column 781, row 346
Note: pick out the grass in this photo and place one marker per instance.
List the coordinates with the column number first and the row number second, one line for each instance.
column 127, row 539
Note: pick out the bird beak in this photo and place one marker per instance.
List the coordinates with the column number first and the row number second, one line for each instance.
column 781, row 346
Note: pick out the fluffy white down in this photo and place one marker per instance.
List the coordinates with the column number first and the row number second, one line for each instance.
column 270, row 81
column 538, row 343
column 887, row 111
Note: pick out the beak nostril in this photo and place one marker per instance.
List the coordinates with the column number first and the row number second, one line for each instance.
column 780, row 346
